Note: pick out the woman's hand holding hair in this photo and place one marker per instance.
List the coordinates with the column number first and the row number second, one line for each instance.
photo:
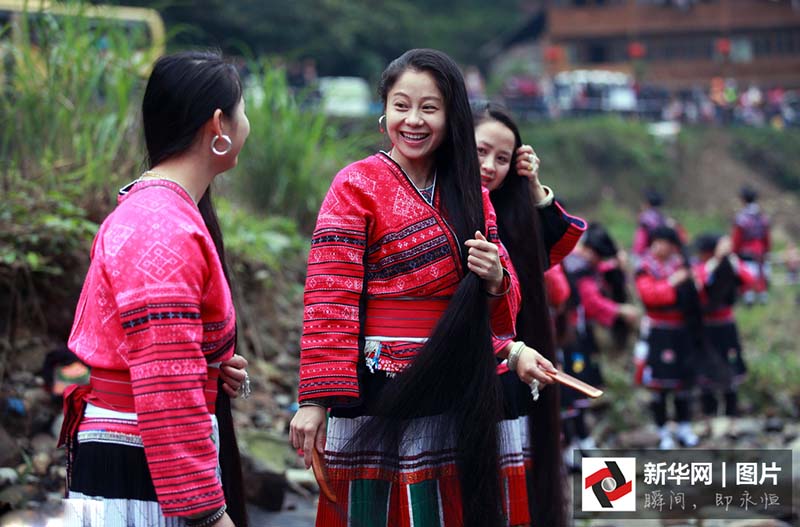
column 484, row 261
column 528, row 167
column 630, row 314
column 307, row 430
column 679, row 276
column 724, row 247
column 233, row 375
column 528, row 163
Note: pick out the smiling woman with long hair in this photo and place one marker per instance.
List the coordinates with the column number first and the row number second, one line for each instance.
column 407, row 282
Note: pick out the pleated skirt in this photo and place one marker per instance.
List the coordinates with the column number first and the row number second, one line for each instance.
column 420, row 486
column 110, row 484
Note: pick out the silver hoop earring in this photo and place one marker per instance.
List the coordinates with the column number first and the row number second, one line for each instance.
column 227, row 148
column 380, row 124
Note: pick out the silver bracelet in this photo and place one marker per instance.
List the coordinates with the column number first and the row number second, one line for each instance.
column 311, row 403
column 513, row 355
column 547, row 200
column 207, row 521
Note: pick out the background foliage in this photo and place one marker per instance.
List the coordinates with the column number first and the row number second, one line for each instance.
column 70, row 136
column 292, row 154
column 346, row 37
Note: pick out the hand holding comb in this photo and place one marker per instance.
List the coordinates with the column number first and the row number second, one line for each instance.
column 575, row 384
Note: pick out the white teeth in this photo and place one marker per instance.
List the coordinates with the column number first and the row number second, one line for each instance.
column 414, row 137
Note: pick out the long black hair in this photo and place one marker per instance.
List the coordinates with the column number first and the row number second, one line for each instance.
column 453, row 376
column 182, row 94
column 520, row 230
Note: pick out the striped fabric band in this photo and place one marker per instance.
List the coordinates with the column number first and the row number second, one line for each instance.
column 83, row 510
column 403, row 318
column 424, row 489
column 515, row 463
column 112, row 389
column 375, row 502
column 417, row 458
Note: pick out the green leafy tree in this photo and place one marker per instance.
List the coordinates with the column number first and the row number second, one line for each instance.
column 345, row 37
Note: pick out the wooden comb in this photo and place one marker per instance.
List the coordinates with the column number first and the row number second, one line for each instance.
column 575, row 384
column 321, row 474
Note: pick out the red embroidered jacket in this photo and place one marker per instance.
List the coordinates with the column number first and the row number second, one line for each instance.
column 586, row 288
column 383, row 260
column 750, row 234
column 155, row 310
column 561, row 233
column 658, row 295
column 704, row 271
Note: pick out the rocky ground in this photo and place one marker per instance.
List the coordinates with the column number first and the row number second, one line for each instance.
column 281, row 492
column 32, row 469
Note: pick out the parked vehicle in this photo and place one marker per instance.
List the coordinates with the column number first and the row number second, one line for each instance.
column 594, row 91
column 345, row 96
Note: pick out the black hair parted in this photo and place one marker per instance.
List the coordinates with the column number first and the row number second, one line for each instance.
column 653, row 197
column 600, row 241
column 520, row 230
column 748, row 194
column 182, row 94
column 667, row 233
column 706, row 242
column 457, row 174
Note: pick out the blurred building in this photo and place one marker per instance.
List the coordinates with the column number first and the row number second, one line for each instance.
column 677, row 44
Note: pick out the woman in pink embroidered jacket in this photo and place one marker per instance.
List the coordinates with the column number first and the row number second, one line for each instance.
column 155, row 319
column 406, row 284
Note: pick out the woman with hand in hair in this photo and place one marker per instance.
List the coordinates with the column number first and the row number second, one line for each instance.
column 538, row 234
column 407, row 282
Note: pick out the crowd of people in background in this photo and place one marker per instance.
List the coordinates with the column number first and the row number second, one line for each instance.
column 589, row 92
column 723, row 101
column 687, row 350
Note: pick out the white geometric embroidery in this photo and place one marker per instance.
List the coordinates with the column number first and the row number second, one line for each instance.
column 406, row 206
column 361, row 182
column 153, row 204
column 160, row 262
column 115, row 237
column 331, row 202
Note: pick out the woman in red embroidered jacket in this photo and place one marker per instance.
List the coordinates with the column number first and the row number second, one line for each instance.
column 751, row 243
column 720, row 275
column 590, row 303
column 406, row 283
column 537, row 233
column 155, row 319
column 663, row 281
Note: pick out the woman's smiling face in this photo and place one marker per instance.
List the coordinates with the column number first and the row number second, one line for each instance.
column 415, row 117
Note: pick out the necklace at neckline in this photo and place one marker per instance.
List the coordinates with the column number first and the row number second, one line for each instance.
column 425, row 187
column 151, row 175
